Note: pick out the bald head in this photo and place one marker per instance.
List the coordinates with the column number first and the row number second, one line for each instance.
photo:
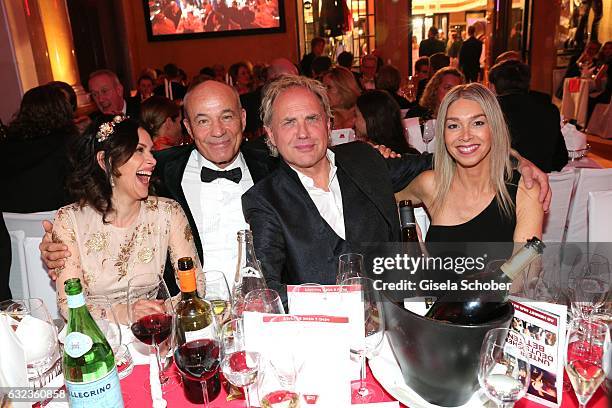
column 281, row 66
column 215, row 120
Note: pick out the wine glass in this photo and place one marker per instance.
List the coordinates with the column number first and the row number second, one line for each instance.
column 278, row 374
column 151, row 315
column 349, row 266
column 263, row 301
column 504, row 372
column 374, row 331
column 218, row 294
column 35, row 330
column 239, row 365
column 198, row 360
column 101, row 309
column 587, row 344
column 590, row 284
column 429, row 132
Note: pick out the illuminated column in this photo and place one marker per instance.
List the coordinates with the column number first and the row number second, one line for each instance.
column 58, row 35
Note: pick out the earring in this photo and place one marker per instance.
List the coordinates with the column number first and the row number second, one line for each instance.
column 112, row 181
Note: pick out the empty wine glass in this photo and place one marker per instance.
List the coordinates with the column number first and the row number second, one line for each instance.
column 350, row 266
column 587, row 344
column 263, row 301
column 429, row 132
column 35, row 330
column 151, row 317
column 238, row 364
column 278, row 374
column 504, row 372
column 374, row 330
column 218, row 294
column 590, row 285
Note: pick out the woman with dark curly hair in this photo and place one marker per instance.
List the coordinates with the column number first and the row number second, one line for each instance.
column 33, row 156
column 115, row 230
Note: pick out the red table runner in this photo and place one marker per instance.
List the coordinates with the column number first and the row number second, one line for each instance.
column 136, row 394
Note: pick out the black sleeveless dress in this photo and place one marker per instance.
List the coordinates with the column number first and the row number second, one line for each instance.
column 491, row 225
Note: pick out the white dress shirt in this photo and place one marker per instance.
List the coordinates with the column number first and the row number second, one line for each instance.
column 329, row 203
column 217, row 210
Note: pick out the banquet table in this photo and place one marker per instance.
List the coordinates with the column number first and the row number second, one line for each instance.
column 136, row 395
column 574, row 104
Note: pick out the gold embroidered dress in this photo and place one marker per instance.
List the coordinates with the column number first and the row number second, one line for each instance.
column 105, row 257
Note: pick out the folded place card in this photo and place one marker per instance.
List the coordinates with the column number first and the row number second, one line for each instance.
column 319, row 344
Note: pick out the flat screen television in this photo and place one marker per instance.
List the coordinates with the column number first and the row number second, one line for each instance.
column 185, row 19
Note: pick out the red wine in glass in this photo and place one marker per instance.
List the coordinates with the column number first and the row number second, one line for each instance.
column 198, row 360
column 153, row 329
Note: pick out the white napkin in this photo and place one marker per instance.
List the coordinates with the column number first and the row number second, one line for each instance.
column 574, row 139
column 13, row 362
column 37, row 338
column 156, row 391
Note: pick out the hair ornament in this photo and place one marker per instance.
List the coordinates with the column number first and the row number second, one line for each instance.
column 106, row 129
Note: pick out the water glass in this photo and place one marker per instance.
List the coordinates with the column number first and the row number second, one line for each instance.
column 263, row 301
column 504, row 371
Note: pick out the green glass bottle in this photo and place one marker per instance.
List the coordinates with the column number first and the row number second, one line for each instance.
column 89, row 364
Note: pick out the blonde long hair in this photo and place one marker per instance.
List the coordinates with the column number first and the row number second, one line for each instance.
column 501, row 169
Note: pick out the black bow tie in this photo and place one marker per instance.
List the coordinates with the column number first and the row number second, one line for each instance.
column 209, row 175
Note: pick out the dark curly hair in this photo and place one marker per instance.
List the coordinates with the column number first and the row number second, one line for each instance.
column 44, row 110
column 89, row 183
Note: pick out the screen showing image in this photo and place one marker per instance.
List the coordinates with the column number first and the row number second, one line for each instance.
column 192, row 17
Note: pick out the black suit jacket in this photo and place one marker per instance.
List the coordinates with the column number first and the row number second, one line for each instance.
column 535, row 129
column 295, row 244
column 469, row 57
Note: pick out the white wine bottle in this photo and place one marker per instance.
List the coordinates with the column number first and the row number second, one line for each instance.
column 89, row 364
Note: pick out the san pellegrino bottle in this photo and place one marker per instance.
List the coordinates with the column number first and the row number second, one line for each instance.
column 248, row 272
column 477, row 306
column 89, row 364
column 408, row 222
column 195, row 322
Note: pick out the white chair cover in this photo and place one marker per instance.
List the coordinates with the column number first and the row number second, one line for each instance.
column 412, row 132
column 422, row 220
column 562, row 186
column 599, row 215
column 414, row 137
column 28, row 273
column 600, row 123
column 588, row 180
column 18, row 281
column 574, row 104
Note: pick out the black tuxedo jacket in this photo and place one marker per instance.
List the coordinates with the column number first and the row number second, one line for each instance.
column 295, row 244
column 168, row 176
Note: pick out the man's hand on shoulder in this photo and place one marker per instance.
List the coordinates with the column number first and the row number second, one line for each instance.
column 386, row 152
column 532, row 174
column 52, row 254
